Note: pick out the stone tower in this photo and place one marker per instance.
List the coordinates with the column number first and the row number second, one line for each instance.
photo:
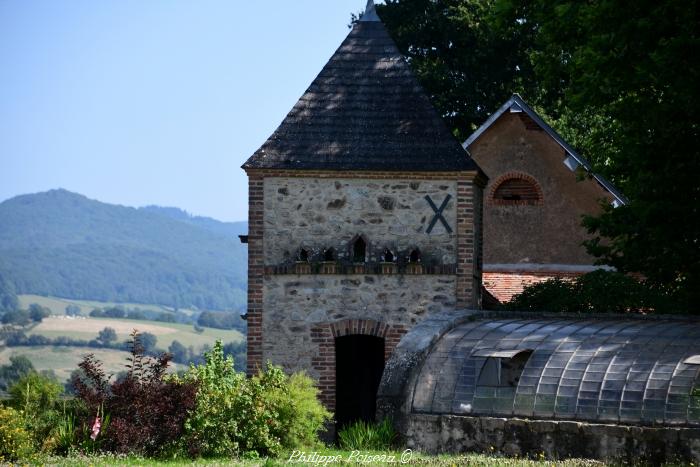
column 364, row 218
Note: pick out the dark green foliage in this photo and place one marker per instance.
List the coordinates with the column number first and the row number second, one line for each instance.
column 596, row 292
column 8, row 297
column 107, row 335
column 178, row 351
column 147, row 410
column 63, row 244
column 638, row 66
column 618, row 81
column 220, row 320
column 19, row 366
column 114, row 312
column 72, row 310
column 368, row 436
column 468, row 66
column 17, row 317
column 148, row 341
column 37, row 312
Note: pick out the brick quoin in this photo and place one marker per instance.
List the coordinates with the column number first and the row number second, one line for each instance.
column 323, row 336
column 255, row 273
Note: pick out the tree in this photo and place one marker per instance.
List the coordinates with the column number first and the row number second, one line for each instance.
column 114, row 312
column 34, row 393
column 72, row 310
column 37, row 312
column 467, row 57
column 618, row 81
column 148, row 341
column 178, row 351
column 107, row 335
column 636, row 67
column 17, row 317
column 8, row 297
column 18, row 367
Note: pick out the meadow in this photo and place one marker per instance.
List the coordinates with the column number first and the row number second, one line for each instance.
column 87, row 328
column 64, row 359
column 58, row 305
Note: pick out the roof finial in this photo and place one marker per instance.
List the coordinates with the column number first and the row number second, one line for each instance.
column 370, row 13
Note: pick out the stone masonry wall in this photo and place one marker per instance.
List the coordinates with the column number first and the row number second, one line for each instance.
column 322, row 213
column 555, row 439
column 297, row 307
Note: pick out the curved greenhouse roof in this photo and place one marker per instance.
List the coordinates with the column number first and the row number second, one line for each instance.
column 611, row 370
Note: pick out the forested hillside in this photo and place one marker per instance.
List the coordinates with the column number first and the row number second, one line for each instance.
column 64, row 244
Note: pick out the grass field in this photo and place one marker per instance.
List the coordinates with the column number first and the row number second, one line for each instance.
column 87, row 328
column 345, row 458
column 63, row 360
column 58, row 305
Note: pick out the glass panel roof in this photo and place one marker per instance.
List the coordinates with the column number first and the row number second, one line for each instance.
column 609, row 370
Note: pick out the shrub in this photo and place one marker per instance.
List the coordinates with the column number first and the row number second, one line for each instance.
column 259, row 416
column 147, row 409
column 596, row 292
column 368, row 436
column 35, row 396
column 300, row 415
column 15, row 441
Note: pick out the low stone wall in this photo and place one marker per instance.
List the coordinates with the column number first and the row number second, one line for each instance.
column 554, row 439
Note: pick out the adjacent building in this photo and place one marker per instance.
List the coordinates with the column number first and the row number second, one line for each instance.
column 538, row 191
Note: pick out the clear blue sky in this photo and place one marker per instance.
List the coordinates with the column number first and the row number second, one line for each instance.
column 153, row 102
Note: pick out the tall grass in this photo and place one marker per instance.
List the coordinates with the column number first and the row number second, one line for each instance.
column 368, row 436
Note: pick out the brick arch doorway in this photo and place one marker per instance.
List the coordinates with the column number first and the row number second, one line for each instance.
column 358, row 370
column 323, row 338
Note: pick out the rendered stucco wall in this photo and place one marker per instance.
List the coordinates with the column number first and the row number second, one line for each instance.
column 546, row 233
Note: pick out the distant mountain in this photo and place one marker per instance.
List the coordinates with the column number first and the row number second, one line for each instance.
column 232, row 229
column 64, row 244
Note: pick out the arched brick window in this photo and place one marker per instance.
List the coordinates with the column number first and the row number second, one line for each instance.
column 516, row 189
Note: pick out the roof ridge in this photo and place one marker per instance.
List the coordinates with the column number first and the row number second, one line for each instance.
column 576, row 159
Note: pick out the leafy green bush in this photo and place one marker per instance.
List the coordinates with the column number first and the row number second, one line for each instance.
column 368, row 436
column 596, row 292
column 252, row 417
column 36, row 396
column 15, row 441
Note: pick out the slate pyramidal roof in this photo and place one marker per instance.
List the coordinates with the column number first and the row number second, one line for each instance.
column 364, row 111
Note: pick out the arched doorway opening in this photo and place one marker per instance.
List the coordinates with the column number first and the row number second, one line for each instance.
column 358, row 371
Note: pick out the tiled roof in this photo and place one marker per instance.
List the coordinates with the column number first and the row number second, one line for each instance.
column 364, row 111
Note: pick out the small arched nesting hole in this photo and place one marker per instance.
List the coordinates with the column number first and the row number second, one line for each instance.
column 414, row 256
column 359, row 250
column 388, row 256
column 303, row 255
column 329, row 254
column 517, row 189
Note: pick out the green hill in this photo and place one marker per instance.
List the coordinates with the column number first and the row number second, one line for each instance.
column 63, row 244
